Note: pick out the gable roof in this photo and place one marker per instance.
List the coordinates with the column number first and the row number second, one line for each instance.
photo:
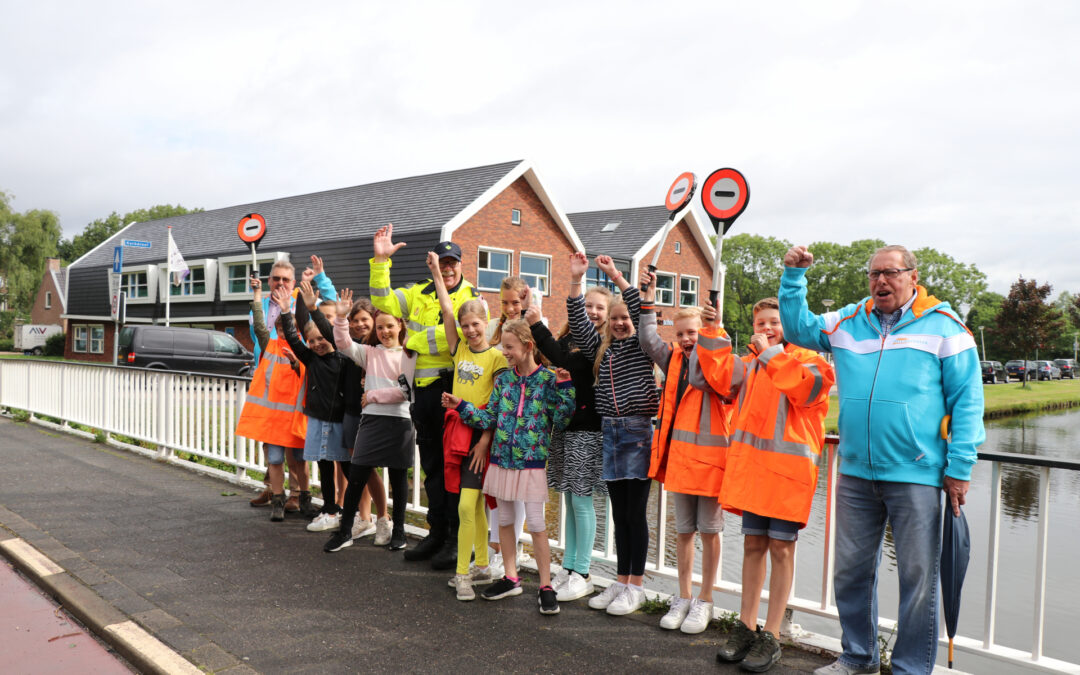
column 638, row 231
column 413, row 204
column 59, row 278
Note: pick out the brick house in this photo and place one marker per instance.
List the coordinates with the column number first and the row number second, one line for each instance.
column 630, row 237
column 48, row 308
column 501, row 215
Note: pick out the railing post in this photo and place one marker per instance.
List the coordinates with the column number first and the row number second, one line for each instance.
column 828, row 564
column 661, row 528
column 992, row 536
column 1040, row 563
column 164, row 385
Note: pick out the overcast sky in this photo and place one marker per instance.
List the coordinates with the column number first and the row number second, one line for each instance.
column 952, row 125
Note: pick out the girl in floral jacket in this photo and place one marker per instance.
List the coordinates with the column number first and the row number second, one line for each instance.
column 527, row 403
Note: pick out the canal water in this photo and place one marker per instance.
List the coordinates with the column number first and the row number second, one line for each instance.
column 1054, row 434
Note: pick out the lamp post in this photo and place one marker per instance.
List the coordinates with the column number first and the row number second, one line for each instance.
column 828, row 302
column 1076, row 339
column 982, row 337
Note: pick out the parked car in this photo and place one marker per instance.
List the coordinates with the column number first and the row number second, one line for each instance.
column 993, row 372
column 1016, row 369
column 1068, row 367
column 193, row 350
column 1048, row 370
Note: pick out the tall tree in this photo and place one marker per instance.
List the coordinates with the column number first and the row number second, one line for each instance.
column 839, row 272
column 103, row 228
column 947, row 279
column 754, row 265
column 983, row 315
column 1026, row 322
column 26, row 240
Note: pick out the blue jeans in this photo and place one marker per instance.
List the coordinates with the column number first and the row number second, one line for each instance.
column 914, row 511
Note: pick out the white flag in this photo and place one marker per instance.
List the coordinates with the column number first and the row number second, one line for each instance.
column 177, row 267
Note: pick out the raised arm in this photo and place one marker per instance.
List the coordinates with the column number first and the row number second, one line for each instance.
column 584, row 332
column 801, row 326
column 342, row 340
column 288, row 326
column 258, row 319
column 385, row 299
column 545, row 341
column 650, row 340
column 446, row 305
column 607, row 266
column 322, row 281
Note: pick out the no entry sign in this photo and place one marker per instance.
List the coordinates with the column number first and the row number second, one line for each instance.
column 680, row 192
column 725, row 195
column 251, row 228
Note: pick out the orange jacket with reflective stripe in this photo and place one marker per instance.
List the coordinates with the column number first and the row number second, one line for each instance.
column 273, row 411
column 783, row 397
column 690, row 447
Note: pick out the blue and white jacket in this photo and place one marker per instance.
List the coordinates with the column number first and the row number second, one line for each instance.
column 895, row 390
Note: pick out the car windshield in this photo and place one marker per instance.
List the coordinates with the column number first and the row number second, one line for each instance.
column 1014, row 364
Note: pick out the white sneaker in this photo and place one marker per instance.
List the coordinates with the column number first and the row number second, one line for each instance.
column 698, row 618
column 362, row 527
column 607, row 596
column 464, row 588
column 628, row 602
column 680, row 607
column 324, row 521
column 383, row 529
column 559, row 579
column 576, row 586
column 478, row 576
column 837, row 668
column 523, row 558
column 495, row 564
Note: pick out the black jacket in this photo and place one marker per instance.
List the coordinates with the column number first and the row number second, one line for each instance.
column 324, row 399
column 564, row 354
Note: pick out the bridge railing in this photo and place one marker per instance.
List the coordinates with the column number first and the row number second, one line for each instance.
column 196, row 414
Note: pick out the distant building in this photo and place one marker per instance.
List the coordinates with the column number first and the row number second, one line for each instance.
column 49, row 304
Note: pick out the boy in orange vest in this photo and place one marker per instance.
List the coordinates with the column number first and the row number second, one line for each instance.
column 771, row 471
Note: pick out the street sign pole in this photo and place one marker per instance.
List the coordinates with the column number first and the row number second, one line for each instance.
column 251, row 229
column 724, row 195
column 678, row 196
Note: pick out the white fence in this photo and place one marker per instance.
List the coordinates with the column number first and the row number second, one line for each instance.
column 196, row 414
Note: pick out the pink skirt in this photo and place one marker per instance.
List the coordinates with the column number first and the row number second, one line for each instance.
column 525, row 485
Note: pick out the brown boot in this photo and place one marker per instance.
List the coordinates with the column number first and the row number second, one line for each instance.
column 292, row 504
column 263, row 499
column 277, row 511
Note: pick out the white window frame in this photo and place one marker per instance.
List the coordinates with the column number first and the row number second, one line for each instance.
column 227, row 262
column 527, row 275
column 85, row 330
column 678, row 247
column 490, row 249
column 515, row 216
column 48, row 299
column 210, row 276
column 151, row 272
column 697, row 290
column 90, row 338
column 661, row 291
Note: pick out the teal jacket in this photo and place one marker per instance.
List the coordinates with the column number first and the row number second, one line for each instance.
column 895, row 390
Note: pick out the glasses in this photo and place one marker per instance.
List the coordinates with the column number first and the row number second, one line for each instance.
column 890, row 273
column 283, row 279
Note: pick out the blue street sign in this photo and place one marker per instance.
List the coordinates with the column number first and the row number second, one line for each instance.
column 136, row 243
column 117, row 259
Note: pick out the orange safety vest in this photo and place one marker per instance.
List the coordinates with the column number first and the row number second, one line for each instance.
column 274, row 412
column 689, row 449
column 783, row 397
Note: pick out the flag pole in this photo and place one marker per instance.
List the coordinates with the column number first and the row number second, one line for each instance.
column 168, row 276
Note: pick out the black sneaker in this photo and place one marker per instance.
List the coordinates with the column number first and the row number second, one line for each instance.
column 397, row 540
column 738, row 644
column 503, row 588
column 446, row 558
column 763, row 654
column 337, row 541
column 427, row 547
column 546, row 599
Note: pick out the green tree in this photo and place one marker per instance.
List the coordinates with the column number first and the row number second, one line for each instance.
column 983, row 313
column 103, row 228
column 754, row 265
column 949, row 280
column 1026, row 322
column 26, row 240
column 839, row 272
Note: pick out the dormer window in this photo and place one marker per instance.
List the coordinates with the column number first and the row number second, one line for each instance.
column 611, row 227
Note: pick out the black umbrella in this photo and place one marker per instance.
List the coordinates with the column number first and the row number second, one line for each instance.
column 955, row 552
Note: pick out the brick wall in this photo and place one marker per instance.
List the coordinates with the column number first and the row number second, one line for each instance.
column 537, row 233
column 69, row 338
column 39, row 314
column 690, row 261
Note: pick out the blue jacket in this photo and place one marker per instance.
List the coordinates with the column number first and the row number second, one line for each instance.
column 895, row 390
column 326, row 293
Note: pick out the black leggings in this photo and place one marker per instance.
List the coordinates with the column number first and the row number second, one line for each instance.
column 629, row 506
column 328, row 484
column 358, row 478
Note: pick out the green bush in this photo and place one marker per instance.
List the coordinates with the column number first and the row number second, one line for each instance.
column 54, row 345
column 7, row 345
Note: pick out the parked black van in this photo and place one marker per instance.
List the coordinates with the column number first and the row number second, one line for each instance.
column 193, row 350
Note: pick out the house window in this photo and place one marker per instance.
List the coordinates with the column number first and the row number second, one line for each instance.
column 536, row 271
column 239, row 273
column 97, row 339
column 688, row 291
column 595, row 277
column 665, row 289
column 48, row 299
column 492, row 266
column 515, row 216
column 194, row 284
column 135, row 284
column 78, row 339
column 678, row 247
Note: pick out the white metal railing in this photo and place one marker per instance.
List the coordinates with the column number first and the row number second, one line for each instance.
column 196, row 414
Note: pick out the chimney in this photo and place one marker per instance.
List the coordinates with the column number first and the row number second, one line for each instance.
column 52, row 264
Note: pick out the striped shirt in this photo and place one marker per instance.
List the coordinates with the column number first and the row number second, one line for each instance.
column 625, row 385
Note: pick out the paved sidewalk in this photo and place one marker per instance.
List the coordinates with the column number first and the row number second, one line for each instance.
column 187, row 558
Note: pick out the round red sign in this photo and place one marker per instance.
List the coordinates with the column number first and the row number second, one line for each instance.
column 725, row 194
column 252, row 228
column 680, row 192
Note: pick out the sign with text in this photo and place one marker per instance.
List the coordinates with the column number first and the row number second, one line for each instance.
column 136, row 243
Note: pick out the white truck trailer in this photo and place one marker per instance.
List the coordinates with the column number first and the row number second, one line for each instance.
column 30, row 338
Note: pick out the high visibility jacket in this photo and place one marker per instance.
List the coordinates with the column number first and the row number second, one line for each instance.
column 689, row 450
column 419, row 306
column 783, row 397
column 326, row 291
column 273, row 412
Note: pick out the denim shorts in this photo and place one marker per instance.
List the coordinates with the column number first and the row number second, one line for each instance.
column 627, row 446
column 774, row 528
column 275, row 454
column 324, row 441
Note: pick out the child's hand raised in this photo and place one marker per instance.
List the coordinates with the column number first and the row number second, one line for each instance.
column 256, row 288
column 562, row 375
column 344, row 302
column 532, row 315
column 316, row 265
column 607, row 265
column 449, row 401
column 579, row 265
column 709, row 314
column 307, row 275
column 282, row 297
column 308, row 294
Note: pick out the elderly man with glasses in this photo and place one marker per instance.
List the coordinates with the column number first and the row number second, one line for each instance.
column 904, row 362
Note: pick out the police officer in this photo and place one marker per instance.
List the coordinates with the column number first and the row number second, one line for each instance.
column 419, row 307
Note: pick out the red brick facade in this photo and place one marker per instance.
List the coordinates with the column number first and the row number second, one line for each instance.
column 691, row 261
column 47, row 306
column 537, row 233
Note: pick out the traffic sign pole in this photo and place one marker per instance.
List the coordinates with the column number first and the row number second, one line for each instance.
column 251, row 229
column 678, row 195
column 724, row 195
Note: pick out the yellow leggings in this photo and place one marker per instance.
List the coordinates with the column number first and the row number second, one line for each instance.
column 473, row 530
